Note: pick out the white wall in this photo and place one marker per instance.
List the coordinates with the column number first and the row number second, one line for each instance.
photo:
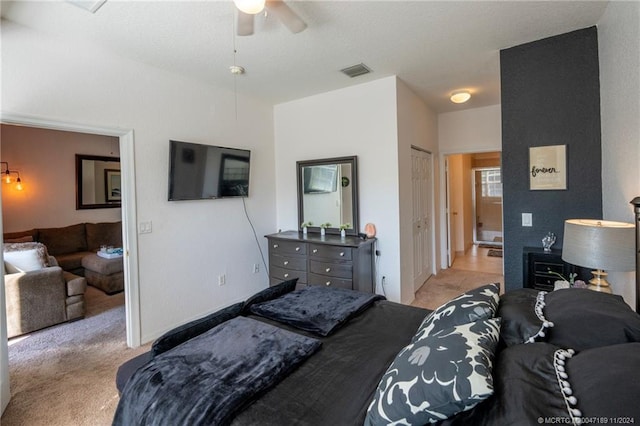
column 359, row 120
column 378, row 121
column 46, row 162
column 619, row 55
column 466, row 131
column 192, row 242
column 417, row 126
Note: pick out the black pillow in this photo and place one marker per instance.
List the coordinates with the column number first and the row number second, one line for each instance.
column 194, row 328
column 523, row 316
column 605, row 383
column 269, row 293
column 527, row 389
column 588, row 319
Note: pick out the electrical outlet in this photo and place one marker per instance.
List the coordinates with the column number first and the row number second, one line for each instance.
column 256, row 268
column 527, row 219
column 222, row 279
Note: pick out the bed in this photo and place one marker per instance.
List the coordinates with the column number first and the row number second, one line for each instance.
column 337, row 357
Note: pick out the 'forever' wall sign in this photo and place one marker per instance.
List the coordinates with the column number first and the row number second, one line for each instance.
column 548, row 167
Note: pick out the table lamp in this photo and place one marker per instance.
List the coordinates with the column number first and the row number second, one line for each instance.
column 601, row 245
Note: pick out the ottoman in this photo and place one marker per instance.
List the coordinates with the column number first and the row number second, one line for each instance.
column 105, row 274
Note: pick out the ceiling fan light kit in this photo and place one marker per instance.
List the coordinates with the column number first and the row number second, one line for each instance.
column 277, row 8
column 251, row 7
column 460, row 96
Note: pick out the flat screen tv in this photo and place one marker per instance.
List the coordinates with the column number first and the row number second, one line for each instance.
column 198, row 172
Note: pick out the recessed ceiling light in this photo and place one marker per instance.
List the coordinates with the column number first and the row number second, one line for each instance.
column 460, row 96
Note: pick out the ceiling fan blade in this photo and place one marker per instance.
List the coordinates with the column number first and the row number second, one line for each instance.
column 287, row 16
column 244, row 25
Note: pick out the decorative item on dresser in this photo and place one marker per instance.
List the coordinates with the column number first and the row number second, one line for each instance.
column 329, row 260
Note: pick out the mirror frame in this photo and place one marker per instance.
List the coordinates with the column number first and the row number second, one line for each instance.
column 353, row 161
column 79, row 204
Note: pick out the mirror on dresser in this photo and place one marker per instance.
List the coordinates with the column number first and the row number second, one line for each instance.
column 328, row 193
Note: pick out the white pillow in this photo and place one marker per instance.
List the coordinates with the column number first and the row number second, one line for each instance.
column 22, row 261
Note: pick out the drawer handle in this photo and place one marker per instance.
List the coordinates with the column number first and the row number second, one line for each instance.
column 286, row 262
column 297, row 248
column 315, row 250
column 275, row 246
column 328, row 283
column 328, row 270
column 286, row 275
column 341, row 253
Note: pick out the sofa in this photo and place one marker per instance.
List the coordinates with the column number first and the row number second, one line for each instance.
column 38, row 293
column 70, row 244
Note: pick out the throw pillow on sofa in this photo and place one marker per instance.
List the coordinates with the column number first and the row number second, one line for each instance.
column 25, row 257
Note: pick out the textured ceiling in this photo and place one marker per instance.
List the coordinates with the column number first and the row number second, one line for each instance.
column 435, row 47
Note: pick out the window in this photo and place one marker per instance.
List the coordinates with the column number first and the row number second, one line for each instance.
column 491, row 183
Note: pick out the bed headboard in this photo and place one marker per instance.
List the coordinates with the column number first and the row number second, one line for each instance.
column 636, row 208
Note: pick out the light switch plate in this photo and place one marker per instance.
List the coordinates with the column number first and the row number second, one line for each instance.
column 145, row 227
column 527, row 219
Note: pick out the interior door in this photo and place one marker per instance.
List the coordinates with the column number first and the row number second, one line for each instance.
column 422, row 189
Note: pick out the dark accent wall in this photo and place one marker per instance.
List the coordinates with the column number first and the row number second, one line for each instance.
column 550, row 96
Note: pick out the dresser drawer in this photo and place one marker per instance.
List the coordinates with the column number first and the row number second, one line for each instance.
column 545, row 267
column 287, row 274
column 323, row 280
column 287, row 247
column 329, row 252
column 297, row 263
column 332, row 269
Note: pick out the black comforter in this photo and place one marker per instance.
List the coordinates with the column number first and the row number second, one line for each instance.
column 207, row 380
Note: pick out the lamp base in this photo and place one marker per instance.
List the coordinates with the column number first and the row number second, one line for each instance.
column 599, row 282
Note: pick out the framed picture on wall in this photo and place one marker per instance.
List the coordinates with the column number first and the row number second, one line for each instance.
column 548, row 167
column 112, row 185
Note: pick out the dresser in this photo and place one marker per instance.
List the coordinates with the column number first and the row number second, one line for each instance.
column 328, row 260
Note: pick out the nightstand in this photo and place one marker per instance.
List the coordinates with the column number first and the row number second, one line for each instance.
column 538, row 265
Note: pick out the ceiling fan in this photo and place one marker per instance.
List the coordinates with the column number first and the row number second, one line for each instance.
column 248, row 8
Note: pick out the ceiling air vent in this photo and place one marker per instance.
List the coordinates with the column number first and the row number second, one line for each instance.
column 356, row 70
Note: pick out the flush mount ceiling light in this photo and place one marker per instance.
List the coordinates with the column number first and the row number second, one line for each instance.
column 460, row 96
column 251, row 7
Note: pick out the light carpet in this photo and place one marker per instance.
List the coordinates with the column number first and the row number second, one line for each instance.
column 65, row 375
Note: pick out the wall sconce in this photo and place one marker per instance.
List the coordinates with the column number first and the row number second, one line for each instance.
column 6, row 176
column 601, row 245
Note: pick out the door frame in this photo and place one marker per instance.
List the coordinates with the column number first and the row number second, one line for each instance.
column 444, row 186
column 129, row 213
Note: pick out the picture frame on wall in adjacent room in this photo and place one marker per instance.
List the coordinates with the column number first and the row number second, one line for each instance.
column 113, row 185
column 548, row 167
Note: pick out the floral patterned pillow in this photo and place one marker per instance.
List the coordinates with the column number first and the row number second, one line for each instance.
column 476, row 304
column 437, row 376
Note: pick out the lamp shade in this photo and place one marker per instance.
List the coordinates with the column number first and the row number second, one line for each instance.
column 599, row 244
